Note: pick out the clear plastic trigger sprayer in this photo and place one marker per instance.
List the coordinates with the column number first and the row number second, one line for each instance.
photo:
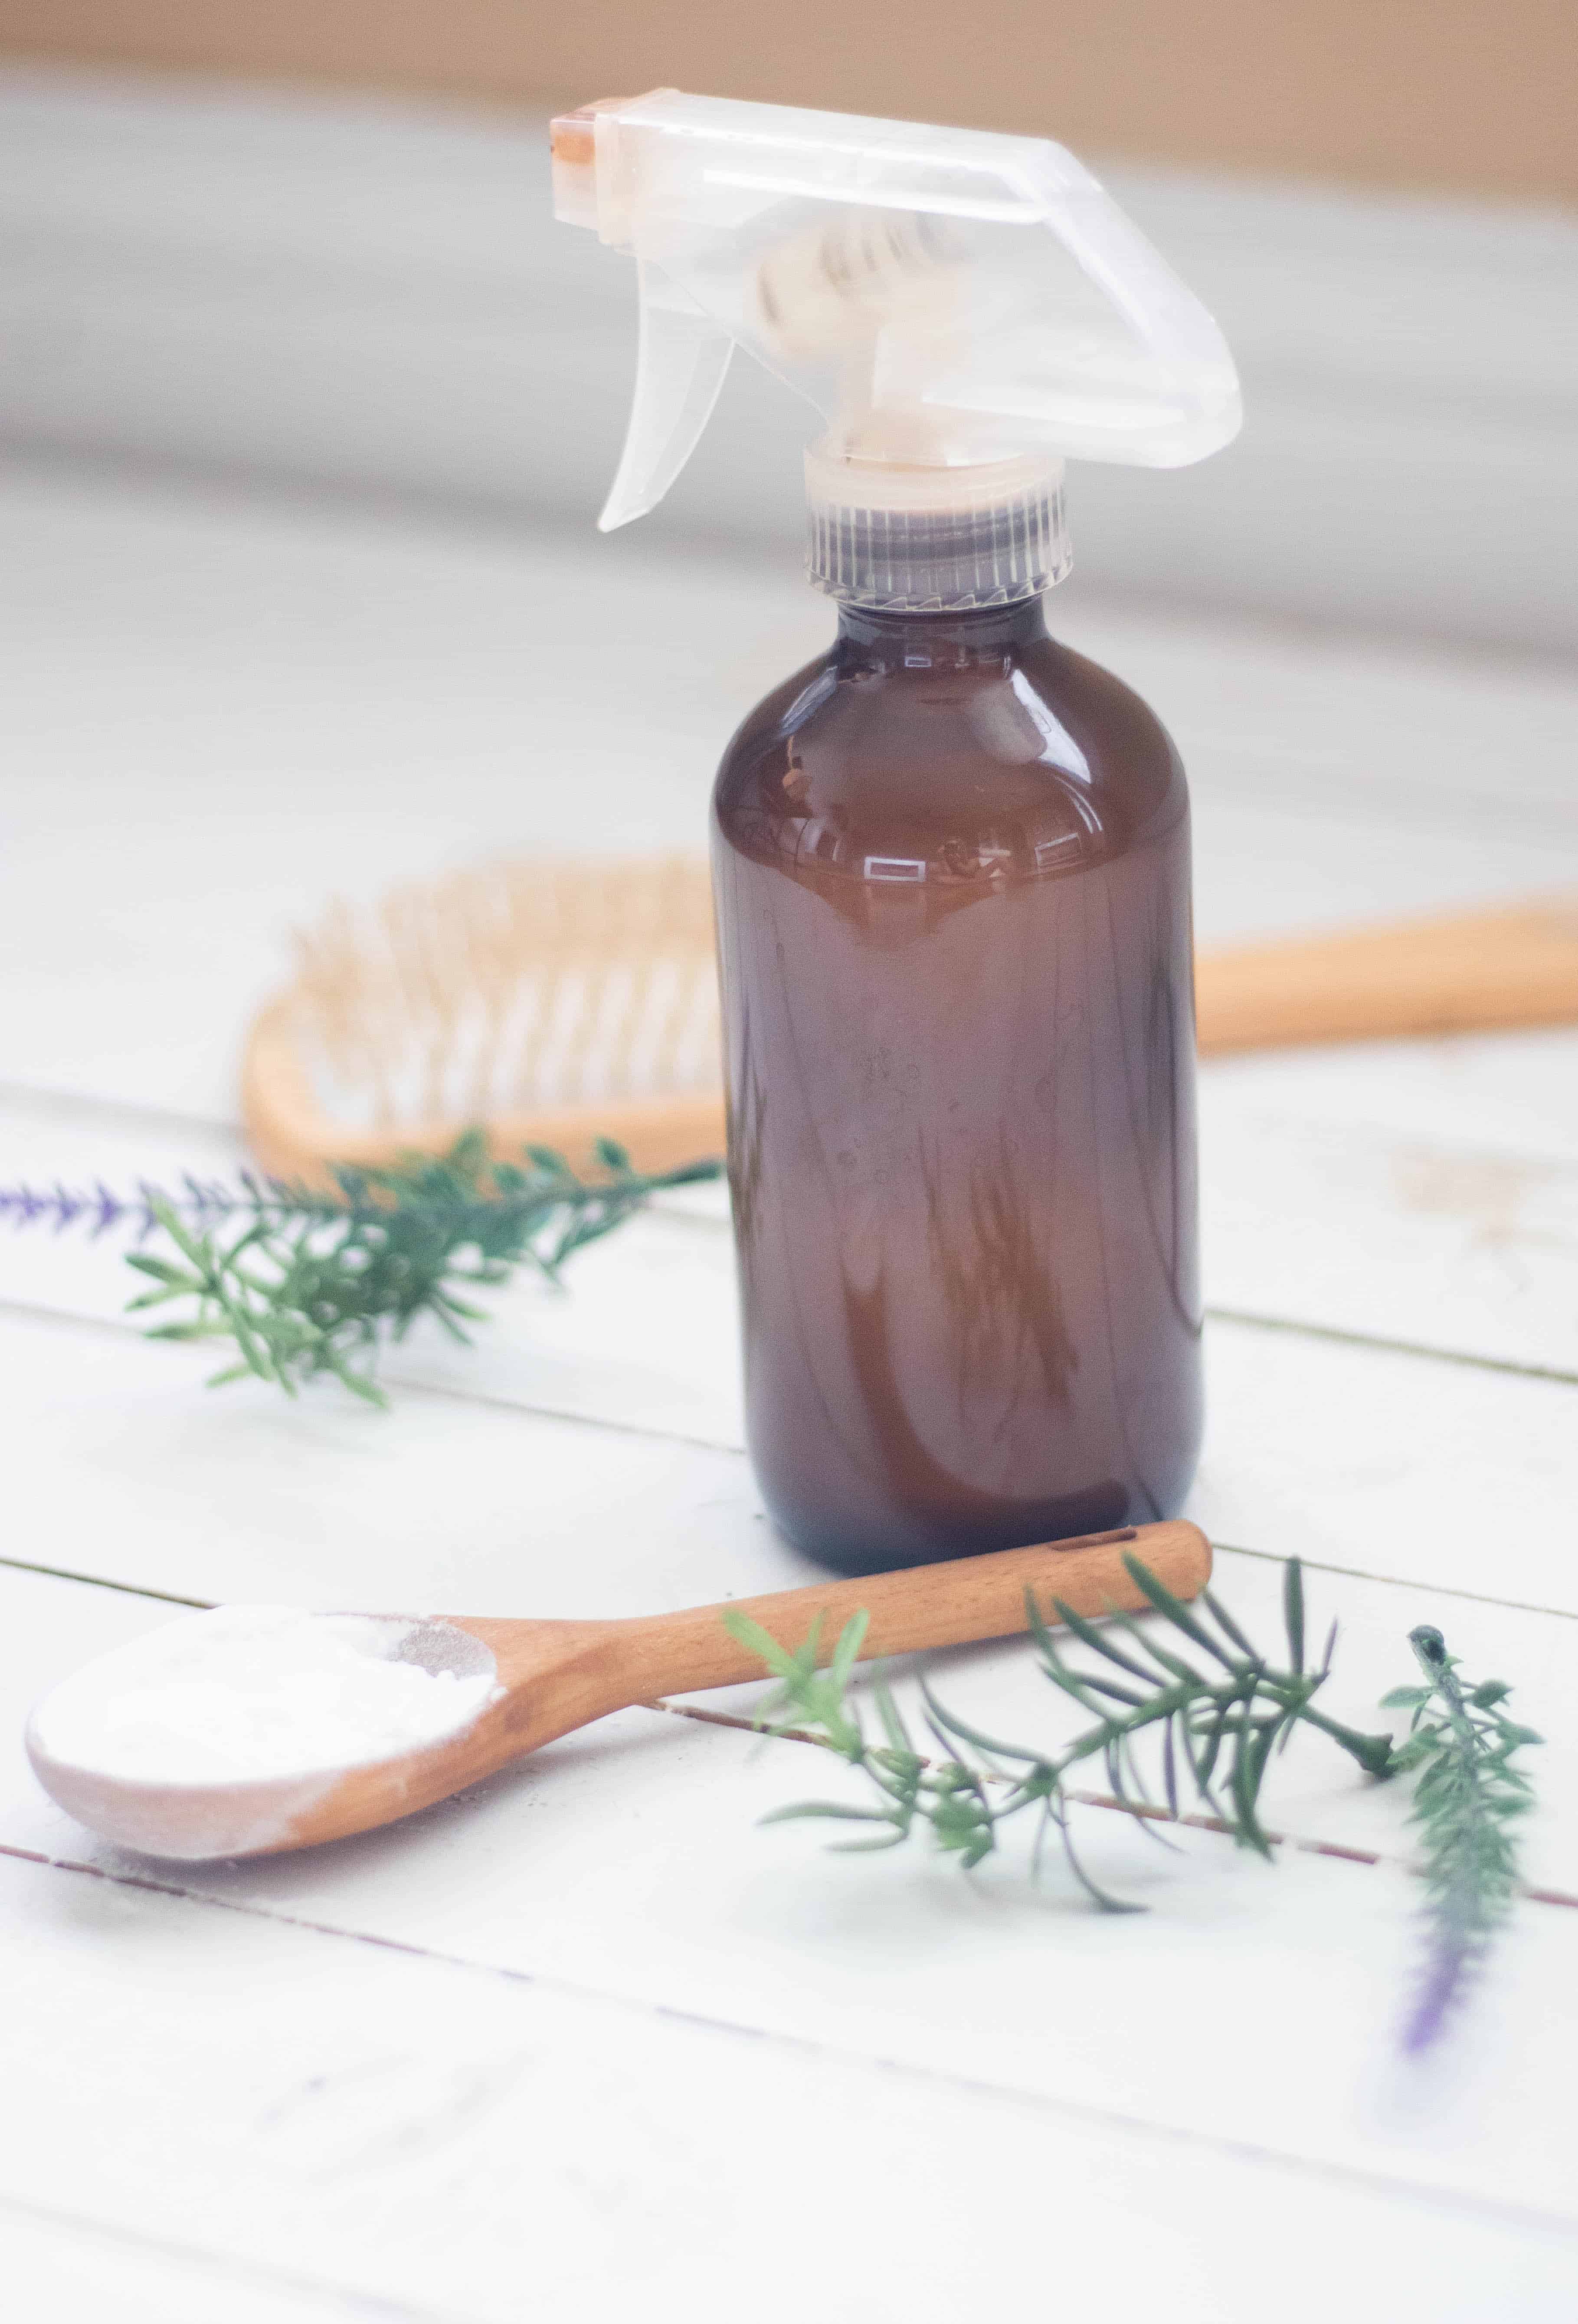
column 966, row 310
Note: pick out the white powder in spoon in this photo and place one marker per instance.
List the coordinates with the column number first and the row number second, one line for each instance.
column 249, row 1692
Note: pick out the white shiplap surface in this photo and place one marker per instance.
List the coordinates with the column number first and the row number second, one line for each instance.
column 586, row 2040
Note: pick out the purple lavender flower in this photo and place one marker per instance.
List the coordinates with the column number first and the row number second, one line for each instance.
column 1467, row 1803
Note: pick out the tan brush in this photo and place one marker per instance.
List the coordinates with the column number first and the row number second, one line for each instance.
column 557, row 1004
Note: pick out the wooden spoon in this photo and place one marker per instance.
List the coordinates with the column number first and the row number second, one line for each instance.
column 553, row 1676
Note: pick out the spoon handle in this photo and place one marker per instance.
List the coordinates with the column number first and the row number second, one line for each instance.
column 943, row 1605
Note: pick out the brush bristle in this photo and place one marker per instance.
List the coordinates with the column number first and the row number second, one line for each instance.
column 516, row 986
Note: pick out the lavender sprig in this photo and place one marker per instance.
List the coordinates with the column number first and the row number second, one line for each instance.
column 202, row 1201
column 306, row 1282
column 1468, row 1803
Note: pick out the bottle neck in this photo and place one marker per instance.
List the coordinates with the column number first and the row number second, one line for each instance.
column 883, row 641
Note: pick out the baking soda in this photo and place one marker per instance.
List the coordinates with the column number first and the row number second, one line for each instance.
column 248, row 1692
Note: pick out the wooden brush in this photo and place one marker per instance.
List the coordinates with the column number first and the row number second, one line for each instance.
column 557, row 1003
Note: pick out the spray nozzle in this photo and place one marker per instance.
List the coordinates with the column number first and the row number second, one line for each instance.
column 964, row 311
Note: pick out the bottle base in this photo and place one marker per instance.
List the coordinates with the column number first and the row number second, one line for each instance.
column 1102, row 1508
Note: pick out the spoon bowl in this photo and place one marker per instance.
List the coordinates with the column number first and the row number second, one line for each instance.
column 512, row 1685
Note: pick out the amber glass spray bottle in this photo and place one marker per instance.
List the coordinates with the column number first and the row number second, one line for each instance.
column 951, row 858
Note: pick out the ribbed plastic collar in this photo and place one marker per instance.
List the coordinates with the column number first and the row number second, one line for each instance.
column 926, row 540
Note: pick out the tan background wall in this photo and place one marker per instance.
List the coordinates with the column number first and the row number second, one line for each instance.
column 1466, row 95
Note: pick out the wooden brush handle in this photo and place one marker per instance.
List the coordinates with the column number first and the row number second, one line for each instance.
column 943, row 1605
column 1465, row 971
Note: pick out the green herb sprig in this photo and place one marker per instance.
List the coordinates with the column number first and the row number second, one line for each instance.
column 307, row 1283
column 1215, row 1708
column 1469, row 1803
column 1216, row 1727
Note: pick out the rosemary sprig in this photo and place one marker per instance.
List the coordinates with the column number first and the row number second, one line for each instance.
column 1468, row 1803
column 1216, row 1727
column 307, row 1282
column 1215, row 1724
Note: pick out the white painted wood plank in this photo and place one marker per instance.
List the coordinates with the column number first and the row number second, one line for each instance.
column 1455, row 1238
column 121, row 1464
column 61, row 2269
column 1514, row 1095
column 465, row 2147
column 1391, row 1464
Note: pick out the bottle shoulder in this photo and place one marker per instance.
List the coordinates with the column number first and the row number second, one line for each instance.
column 1035, row 760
